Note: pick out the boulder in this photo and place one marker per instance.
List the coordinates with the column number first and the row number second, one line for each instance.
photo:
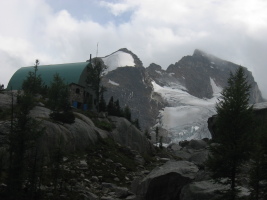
column 182, row 154
column 127, row 134
column 208, row 190
column 174, row 147
column 200, row 157
column 202, row 190
column 6, row 99
column 77, row 136
column 197, row 144
column 165, row 182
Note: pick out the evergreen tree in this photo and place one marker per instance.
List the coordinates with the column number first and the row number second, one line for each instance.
column 157, row 135
column 102, row 102
column 59, row 101
column 23, row 135
column 127, row 113
column 233, row 132
column 33, row 84
column 110, row 107
column 117, row 108
column 136, row 123
column 58, row 94
column 95, row 72
column 161, row 142
column 148, row 136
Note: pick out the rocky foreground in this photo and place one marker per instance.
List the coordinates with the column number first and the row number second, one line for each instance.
column 115, row 161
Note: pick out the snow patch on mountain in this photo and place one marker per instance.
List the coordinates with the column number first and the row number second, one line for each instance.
column 113, row 83
column 118, row 59
column 216, row 89
column 186, row 116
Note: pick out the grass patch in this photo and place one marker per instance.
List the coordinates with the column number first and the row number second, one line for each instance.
column 104, row 125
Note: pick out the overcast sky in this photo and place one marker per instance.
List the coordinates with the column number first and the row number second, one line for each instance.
column 159, row 31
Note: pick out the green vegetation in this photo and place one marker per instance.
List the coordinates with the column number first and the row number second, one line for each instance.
column 34, row 84
column 24, row 133
column 58, row 94
column 104, row 125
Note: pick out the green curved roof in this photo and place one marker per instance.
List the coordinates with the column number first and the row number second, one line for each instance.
column 70, row 72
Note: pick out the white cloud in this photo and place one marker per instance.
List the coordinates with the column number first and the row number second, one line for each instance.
column 116, row 8
column 159, row 31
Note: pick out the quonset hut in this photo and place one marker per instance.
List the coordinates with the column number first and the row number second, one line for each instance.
column 74, row 74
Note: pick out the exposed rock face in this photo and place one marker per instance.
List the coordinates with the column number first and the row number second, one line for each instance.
column 166, row 182
column 6, row 100
column 134, row 89
column 128, row 135
column 191, row 85
column 82, row 133
column 73, row 137
column 196, row 71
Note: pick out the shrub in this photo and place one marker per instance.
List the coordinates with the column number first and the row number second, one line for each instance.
column 65, row 117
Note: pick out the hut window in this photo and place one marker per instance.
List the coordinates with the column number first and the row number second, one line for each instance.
column 77, row 91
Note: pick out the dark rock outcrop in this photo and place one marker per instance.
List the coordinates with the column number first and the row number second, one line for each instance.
column 128, row 135
column 135, row 90
column 198, row 70
column 165, row 182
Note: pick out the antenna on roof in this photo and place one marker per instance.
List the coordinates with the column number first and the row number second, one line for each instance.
column 96, row 50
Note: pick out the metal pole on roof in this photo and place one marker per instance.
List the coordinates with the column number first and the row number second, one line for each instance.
column 96, row 50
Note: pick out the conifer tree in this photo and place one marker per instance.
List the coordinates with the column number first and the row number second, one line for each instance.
column 117, row 108
column 136, row 123
column 127, row 113
column 157, row 135
column 59, row 94
column 102, row 102
column 33, row 84
column 148, row 136
column 233, row 132
column 23, row 135
column 110, row 107
column 95, row 72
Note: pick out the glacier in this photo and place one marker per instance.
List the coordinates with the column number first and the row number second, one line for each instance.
column 186, row 116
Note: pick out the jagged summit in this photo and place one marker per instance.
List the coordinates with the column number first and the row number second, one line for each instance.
column 179, row 99
column 137, row 61
column 122, row 58
column 199, row 52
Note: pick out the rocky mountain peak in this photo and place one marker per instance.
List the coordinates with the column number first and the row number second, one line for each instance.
column 154, row 66
column 199, row 52
column 179, row 99
column 137, row 61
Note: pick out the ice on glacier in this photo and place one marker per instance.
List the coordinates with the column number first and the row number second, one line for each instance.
column 186, row 116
